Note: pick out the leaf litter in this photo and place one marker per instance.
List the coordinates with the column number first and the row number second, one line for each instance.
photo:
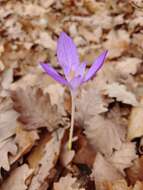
column 35, row 110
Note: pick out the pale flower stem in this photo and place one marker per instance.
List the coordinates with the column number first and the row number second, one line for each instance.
column 72, row 121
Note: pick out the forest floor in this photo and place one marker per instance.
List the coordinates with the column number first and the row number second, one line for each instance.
column 35, row 110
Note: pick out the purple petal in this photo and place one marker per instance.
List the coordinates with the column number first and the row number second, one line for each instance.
column 53, row 73
column 96, row 66
column 67, row 53
column 80, row 70
column 74, row 83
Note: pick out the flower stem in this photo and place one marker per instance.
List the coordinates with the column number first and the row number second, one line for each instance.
column 72, row 121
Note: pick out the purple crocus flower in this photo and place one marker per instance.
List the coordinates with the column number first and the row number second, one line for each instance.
column 74, row 71
column 68, row 59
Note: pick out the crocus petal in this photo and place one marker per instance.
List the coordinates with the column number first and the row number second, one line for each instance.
column 74, row 83
column 80, row 70
column 95, row 66
column 67, row 53
column 53, row 73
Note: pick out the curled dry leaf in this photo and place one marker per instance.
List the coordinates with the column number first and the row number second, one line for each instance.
column 103, row 171
column 17, row 178
column 103, row 135
column 120, row 92
column 68, row 182
column 135, row 128
column 8, row 121
column 7, row 148
column 43, row 159
column 35, row 109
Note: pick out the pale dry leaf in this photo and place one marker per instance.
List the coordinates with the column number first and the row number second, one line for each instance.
column 17, row 178
column 89, row 103
column 47, row 160
column 46, row 41
column 47, row 4
column 35, row 109
column 128, row 65
column 25, row 140
column 123, row 158
column 68, row 182
column 8, row 117
column 120, row 92
column 135, row 127
column 7, row 148
column 32, row 10
column 56, row 93
column 103, row 135
column 103, row 171
column 117, row 42
column 6, row 80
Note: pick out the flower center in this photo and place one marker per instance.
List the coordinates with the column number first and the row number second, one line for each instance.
column 71, row 74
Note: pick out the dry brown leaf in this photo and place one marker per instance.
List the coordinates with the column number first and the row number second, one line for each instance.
column 6, row 80
column 120, row 92
column 103, row 172
column 44, row 158
column 138, row 185
column 25, row 140
column 135, row 173
column 89, row 103
column 68, row 182
column 7, row 148
column 46, row 41
column 117, row 185
column 35, row 109
column 135, row 128
column 8, row 118
column 17, row 179
column 103, row 135
column 84, row 153
column 128, row 65
column 123, row 158
column 117, row 42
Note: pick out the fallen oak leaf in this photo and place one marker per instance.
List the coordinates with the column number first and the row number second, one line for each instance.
column 8, row 148
column 35, row 109
column 8, row 117
column 135, row 173
column 103, row 172
column 123, row 158
column 25, row 140
column 120, row 92
column 103, row 135
column 43, row 159
column 17, row 178
column 135, row 127
column 68, row 182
